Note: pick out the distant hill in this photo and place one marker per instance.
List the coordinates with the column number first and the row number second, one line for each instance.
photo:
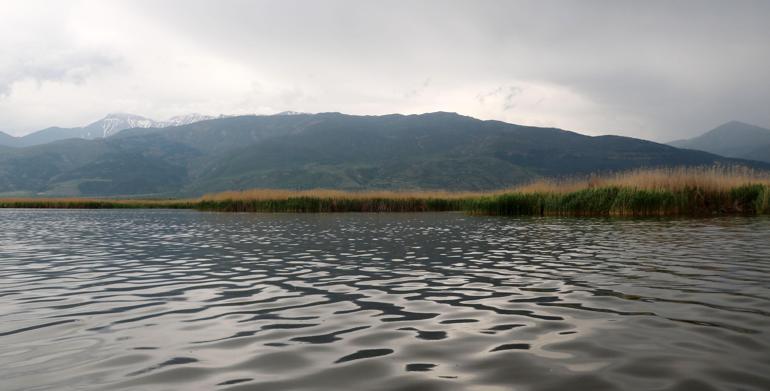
column 330, row 150
column 105, row 127
column 761, row 153
column 6, row 139
column 733, row 139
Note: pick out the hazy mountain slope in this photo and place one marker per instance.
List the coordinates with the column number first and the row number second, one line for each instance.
column 438, row 150
column 105, row 127
column 108, row 126
column 332, row 150
column 218, row 135
column 7, row 140
column 123, row 173
column 732, row 139
column 760, row 153
column 31, row 169
column 49, row 135
column 94, row 167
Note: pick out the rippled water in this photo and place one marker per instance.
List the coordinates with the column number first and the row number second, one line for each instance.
column 168, row 300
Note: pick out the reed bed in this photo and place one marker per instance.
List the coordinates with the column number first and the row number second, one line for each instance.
column 94, row 203
column 278, row 194
column 711, row 178
column 644, row 192
column 324, row 200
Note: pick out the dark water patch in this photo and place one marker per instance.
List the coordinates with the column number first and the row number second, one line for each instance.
column 511, row 346
column 504, row 327
column 35, row 327
column 419, row 367
column 427, row 335
column 540, row 299
column 456, row 321
column 288, row 326
column 365, row 353
column 235, row 381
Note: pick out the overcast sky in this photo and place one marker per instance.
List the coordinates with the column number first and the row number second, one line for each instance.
column 658, row 70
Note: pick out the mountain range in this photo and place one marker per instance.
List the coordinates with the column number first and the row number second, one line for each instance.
column 732, row 139
column 105, row 127
column 327, row 150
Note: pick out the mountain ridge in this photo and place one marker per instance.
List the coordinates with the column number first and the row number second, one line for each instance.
column 732, row 139
column 440, row 150
column 109, row 125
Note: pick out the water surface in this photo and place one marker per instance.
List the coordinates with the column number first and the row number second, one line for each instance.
column 167, row 300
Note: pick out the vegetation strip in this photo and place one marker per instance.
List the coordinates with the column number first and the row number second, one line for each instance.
column 90, row 203
column 660, row 192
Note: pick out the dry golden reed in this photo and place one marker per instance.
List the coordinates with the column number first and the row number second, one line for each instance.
column 713, row 178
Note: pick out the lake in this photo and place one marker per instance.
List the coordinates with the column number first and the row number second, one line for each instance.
column 167, row 300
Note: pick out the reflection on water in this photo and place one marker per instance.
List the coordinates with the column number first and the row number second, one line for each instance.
column 197, row 301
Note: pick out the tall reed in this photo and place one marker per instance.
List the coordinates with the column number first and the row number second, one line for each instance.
column 643, row 192
column 323, row 200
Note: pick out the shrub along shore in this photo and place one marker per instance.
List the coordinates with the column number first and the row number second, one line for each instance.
column 652, row 192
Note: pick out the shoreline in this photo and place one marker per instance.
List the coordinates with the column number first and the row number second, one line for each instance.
column 751, row 199
column 682, row 191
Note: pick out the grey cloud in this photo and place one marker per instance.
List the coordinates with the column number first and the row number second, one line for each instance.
column 483, row 96
column 419, row 90
column 663, row 70
column 508, row 101
column 649, row 59
column 506, row 95
column 73, row 67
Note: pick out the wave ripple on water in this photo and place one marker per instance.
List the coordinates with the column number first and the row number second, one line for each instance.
column 187, row 300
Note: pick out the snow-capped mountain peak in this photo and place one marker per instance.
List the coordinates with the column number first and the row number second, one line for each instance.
column 187, row 119
column 289, row 112
column 111, row 124
column 115, row 122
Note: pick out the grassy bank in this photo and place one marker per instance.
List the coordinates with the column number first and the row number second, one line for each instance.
column 661, row 192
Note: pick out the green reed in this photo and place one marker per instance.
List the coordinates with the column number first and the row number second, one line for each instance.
column 326, row 204
column 627, row 201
